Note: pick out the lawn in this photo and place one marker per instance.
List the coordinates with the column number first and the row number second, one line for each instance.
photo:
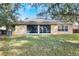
column 40, row 45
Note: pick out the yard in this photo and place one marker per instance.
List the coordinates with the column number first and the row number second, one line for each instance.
column 40, row 45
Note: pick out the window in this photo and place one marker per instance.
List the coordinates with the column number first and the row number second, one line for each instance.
column 32, row 28
column 38, row 29
column 62, row 28
column 44, row 28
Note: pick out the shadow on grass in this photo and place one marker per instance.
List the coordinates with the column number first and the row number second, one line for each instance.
column 39, row 46
column 71, row 44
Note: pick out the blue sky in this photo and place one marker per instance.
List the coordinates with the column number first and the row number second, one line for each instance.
column 28, row 11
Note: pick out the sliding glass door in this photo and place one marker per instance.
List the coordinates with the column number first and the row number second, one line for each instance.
column 32, row 28
column 38, row 29
column 44, row 28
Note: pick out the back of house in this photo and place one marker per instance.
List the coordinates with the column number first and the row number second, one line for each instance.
column 42, row 26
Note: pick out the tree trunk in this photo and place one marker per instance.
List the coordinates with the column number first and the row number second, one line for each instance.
column 7, row 28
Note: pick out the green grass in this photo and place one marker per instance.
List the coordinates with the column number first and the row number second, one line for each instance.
column 38, row 45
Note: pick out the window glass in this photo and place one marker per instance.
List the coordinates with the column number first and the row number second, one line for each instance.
column 62, row 28
column 44, row 28
column 32, row 28
column 40, row 28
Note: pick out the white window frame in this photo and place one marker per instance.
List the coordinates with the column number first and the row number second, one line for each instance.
column 63, row 28
column 33, row 33
column 38, row 28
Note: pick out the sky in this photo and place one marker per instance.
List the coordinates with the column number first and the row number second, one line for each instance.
column 28, row 12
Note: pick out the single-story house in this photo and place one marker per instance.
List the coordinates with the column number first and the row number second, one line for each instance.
column 41, row 26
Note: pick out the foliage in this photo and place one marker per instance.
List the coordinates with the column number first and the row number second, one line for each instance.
column 66, row 11
column 8, row 14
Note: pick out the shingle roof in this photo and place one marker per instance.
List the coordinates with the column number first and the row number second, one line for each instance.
column 40, row 22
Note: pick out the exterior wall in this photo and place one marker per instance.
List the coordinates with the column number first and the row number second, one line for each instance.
column 22, row 30
column 19, row 30
column 54, row 30
column 75, row 25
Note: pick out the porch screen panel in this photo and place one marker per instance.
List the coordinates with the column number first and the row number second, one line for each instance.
column 45, row 29
column 32, row 28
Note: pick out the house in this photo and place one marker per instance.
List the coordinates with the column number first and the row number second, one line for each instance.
column 42, row 26
column 2, row 30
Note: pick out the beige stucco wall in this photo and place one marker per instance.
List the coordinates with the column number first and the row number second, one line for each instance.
column 54, row 30
column 75, row 25
column 20, row 30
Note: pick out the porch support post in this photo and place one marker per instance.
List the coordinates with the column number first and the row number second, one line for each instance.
column 38, row 29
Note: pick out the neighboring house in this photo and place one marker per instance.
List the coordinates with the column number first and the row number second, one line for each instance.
column 41, row 26
column 2, row 30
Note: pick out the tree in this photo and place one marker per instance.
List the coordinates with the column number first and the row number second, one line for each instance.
column 8, row 12
column 66, row 11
